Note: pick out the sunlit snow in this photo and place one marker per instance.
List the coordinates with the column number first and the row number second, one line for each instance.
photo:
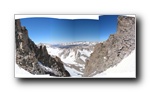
column 21, row 73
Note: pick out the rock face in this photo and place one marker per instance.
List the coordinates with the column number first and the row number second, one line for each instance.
column 28, row 55
column 113, row 50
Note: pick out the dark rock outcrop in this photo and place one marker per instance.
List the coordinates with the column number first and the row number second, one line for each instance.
column 28, row 55
column 113, row 50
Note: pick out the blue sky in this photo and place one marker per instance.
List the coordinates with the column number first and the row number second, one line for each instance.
column 53, row 30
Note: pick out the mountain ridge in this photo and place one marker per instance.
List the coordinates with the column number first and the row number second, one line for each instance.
column 28, row 54
column 114, row 49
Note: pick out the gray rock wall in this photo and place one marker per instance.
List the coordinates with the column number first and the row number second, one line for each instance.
column 113, row 50
column 28, row 55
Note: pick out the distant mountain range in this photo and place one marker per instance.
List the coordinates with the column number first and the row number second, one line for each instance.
column 73, row 54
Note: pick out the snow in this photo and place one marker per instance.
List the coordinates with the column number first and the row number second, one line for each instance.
column 70, row 59
column 85, row 52
column 45, row 68
column 125, row 69
column 73, row 72
column 21, row 73
column 83, row 58
column 48, row 69
column 54, row 51
column 82, row 43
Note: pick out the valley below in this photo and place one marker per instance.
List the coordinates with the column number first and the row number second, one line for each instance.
column 73, row 55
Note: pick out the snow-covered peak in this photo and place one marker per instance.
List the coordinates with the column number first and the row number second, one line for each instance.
column 78, row 43
column 73, row 55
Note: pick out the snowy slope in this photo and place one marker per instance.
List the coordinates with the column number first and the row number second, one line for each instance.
column 125, row 69
column 85, row 52
column 21, row 73
column 73, row 72
column 73, row 55
column 70, row 58
column 54, row 51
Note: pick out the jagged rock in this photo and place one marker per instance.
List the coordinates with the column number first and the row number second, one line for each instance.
column 28, row 55
column 113, row 50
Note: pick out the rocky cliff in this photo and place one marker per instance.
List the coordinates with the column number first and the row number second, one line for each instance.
column 29, row 56
column 113, row 50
